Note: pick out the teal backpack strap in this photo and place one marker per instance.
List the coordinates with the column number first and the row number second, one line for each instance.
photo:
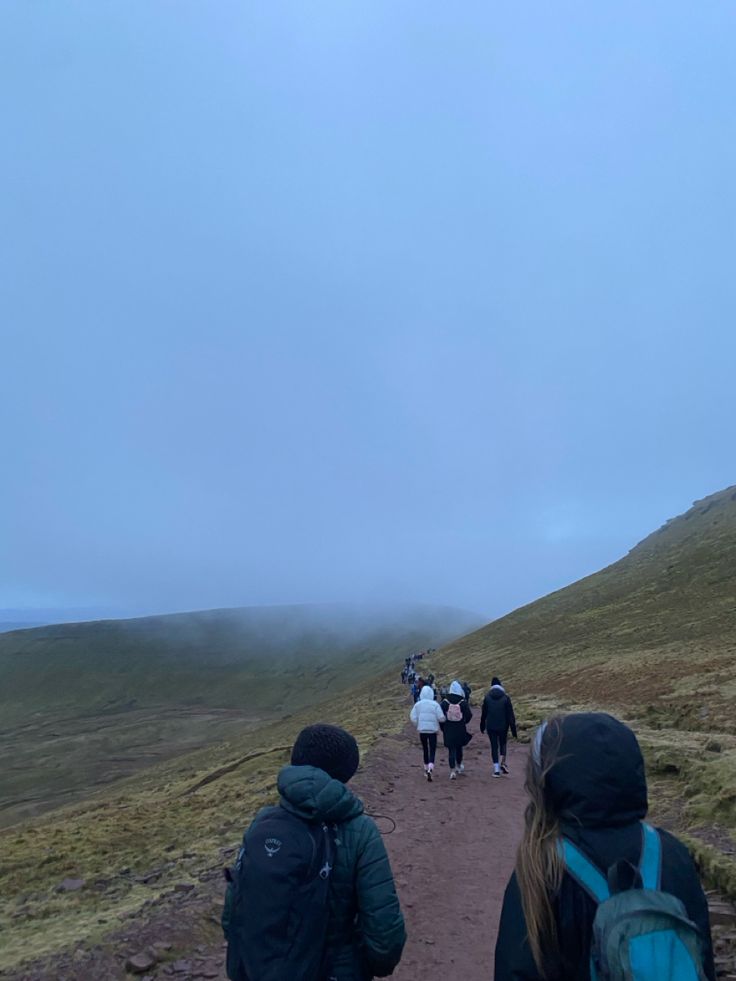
column 650, row 865
column 583, row 871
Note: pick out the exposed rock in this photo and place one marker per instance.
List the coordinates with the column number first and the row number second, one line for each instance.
column 70, row 885
column 722, row 913
column 184, row 887
column 140, row 963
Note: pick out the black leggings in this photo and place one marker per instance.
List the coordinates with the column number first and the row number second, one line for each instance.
column 456, row 756
column 498, row 743
column 429, row 746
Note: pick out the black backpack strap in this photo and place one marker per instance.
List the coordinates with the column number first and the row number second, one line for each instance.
column 622, row 876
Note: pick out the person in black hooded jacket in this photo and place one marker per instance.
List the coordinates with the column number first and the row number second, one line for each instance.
column 496, row 718
column 586, row 781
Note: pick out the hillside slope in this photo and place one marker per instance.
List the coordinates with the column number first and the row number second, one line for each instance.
column 657, row 628
column 210, row 657
column 651, row 638
column 85, row 704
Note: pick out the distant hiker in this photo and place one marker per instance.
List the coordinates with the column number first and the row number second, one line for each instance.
column 496, row 718
column 428, row 717
column 417, row 689
column 457, row 715
column 467, row 690
column 584, row 840
column 311, row 895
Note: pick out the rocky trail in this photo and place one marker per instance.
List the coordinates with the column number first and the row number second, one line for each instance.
column 452, row 846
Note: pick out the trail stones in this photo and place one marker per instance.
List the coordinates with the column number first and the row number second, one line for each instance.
column 184, row 887
column 722, row 913
column 70, row 885
column 140, row 963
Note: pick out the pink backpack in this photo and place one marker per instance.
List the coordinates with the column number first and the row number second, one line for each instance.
column 455, row 713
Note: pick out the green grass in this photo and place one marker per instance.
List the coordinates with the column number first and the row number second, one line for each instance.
column 83, row 705
column 171, row 819
column 651, row 638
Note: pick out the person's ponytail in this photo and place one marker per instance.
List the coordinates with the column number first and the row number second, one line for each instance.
column 539, row 868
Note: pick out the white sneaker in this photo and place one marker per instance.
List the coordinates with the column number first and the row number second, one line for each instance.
column 461, row 768
column 453, row 775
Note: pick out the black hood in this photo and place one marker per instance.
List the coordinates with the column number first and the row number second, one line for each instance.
column 497, row 693
column 597, row 779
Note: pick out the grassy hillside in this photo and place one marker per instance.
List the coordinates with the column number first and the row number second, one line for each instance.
column 211, row 658
column 136, row 842
column 653, row 639
column 83, row 705
column 658, row 625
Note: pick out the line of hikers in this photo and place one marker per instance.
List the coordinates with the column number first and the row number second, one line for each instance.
column 450, row 713
column 409, row 671
column 597, row 893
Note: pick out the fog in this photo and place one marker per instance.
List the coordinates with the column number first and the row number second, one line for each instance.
column 358, row 302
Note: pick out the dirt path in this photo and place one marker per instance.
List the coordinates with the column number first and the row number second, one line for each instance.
column 452, row 850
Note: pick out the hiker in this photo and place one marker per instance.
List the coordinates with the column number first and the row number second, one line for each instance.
column 427, row 716
column 457, row 715
column 312, row 895
column 467, row 690
column 417, row 689
column 588, row 799
column 496, row 718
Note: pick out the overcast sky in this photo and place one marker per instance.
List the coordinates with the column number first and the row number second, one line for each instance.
column 327, row 300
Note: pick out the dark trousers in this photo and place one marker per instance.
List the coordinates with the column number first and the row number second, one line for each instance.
column 498, row 743
column 455, row 757
column 429, row 746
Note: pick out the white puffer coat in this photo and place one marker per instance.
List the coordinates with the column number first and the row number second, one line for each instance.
column 426, row 714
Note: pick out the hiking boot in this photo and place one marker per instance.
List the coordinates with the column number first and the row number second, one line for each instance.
column 504, row 768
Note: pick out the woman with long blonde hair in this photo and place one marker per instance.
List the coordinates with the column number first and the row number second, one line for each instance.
column 586, row 785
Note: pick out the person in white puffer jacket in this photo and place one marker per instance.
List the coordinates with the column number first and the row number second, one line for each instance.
column 427, row 716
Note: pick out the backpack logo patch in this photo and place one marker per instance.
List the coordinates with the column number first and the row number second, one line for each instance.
column 272, row 846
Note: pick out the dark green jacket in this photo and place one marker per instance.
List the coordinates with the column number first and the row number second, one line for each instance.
column 366, row 931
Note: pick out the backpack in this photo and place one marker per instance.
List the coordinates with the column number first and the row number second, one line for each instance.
column 276, row 905
column 639, row 934
column 455, row 712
